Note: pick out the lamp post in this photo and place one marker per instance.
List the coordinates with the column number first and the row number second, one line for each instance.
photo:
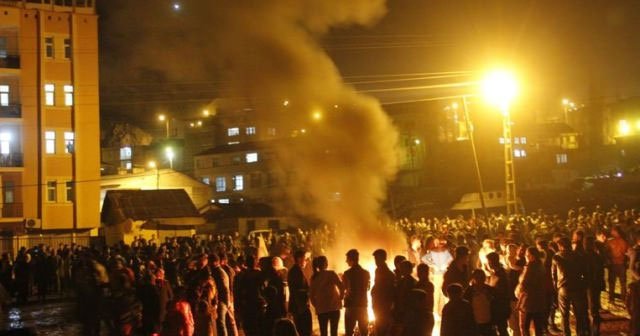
column 500, row 88
column 170, row 155
column 475, row 156
column 165, row 119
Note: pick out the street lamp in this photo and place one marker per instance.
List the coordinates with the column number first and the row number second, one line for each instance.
column 165, row 119
column 168, row 152
column 499, row 89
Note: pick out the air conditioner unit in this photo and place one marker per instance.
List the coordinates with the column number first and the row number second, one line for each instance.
column 32, row 223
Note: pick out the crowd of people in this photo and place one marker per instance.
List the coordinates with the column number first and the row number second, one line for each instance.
column 475, row 276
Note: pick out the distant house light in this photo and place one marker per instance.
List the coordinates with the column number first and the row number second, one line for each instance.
column 233, row 131
column 251, row 130
column 223, row 201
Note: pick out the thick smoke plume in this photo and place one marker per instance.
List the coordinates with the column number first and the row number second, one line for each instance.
column 345, row 150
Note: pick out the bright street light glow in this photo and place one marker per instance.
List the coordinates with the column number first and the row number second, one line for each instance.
column 205, row 113
column 638, row 124
column 624, row 128
column 162, row 117
column 499, row 88
column 565, row 101
column 316, row 115
column 285, row 103
column 152, row 164
column 454, row 106
column 417, row 141
column 176, row 6
column 169, row 153
column 199, row 123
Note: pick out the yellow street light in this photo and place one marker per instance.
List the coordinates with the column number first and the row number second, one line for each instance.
column 199, row 123
column 170, row 155
column 152, row 164
column 205, row 113
column 454, row 105
column 499, row 88
column 162, row 117
column 285, row 103
column 565, row 101
column 624, row 128
column 316, row 115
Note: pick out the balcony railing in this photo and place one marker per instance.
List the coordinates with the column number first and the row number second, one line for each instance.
column 11, row 160
column 11, row 210
column 11, row 111
column 10, row 62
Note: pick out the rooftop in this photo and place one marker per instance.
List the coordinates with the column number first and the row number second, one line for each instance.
column 82, row 6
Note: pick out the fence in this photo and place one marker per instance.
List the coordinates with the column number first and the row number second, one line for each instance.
column 14, row 244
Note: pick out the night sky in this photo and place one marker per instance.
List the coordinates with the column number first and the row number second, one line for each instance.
column 154, row 57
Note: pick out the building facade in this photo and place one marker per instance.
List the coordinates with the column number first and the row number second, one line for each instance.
column 49, row 116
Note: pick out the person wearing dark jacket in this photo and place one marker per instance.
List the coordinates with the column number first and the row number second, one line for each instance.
column 532, row 294
column 458, row 271
column 356, row 282
column 501, row 305
column 594, row 281
column 457, row 314
column 382, row 294
column 223, row 289
column 427, row 287
column 299, row 306
column 568, row 274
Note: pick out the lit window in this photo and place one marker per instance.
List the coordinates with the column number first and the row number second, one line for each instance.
column 67, row 48
column 49, row 94
column 70, row 191
column 48, row 47
column 8, row 187
column 50, row 142
column 221, row 184
column 223, row 201
column 3, row 47
column 255, row 180
column 251, row 130
column 523, row 140
column 5, row 143
column 4, row 95
column 501, row 141
column 271, row 131
column 52, row 191
column 125, row 153
column 128, row 165
column 516, row 140
column 252, row 157
column 238, row 182
column 68, row 95
column 519, row 153
column 69, row 139
column 561, row 158
column 206, row 180
column 233, row 131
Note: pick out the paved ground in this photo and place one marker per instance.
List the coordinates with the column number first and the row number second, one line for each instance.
column 56, row 317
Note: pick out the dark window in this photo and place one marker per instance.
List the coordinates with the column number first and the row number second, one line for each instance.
column 48, row 47
column 274, row 224
column 8, row 192
column 251, row 225
column 67, row 48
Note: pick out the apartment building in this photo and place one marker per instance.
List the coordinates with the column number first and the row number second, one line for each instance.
column 49, row 117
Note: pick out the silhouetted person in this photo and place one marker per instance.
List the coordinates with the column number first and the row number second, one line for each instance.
column 499, row 281
column 356, row 282
column 594, row 282
column 457, row 314
column 458, row 271
column 251, row 303
column 617, row 248
column 568, row 273
column 428, row 288
column 299, row 294
column 382, row 294
column 326, row 294
column 532, row 294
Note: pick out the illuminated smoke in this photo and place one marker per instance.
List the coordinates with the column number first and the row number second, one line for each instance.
column 345, row 150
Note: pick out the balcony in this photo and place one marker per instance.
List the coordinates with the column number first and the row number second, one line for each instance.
column 11, row 210
column 11, row 111
column 10, row 62
column 12, row 160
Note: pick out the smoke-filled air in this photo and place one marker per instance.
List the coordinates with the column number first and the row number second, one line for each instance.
column 345, row 150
